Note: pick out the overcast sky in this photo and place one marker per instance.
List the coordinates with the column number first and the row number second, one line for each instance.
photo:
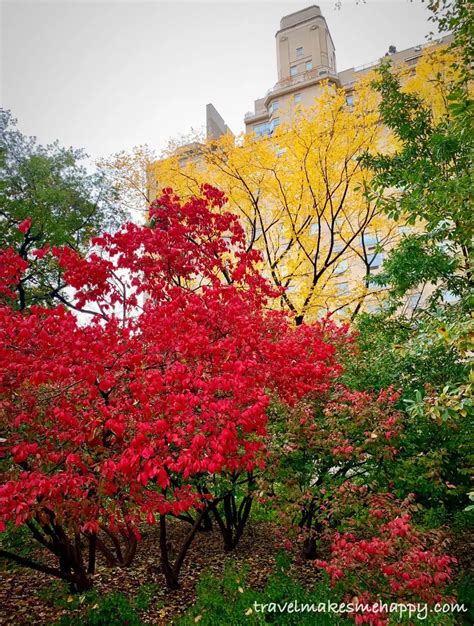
column 107, row 75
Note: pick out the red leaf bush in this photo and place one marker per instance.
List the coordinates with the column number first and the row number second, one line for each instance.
column 389, row 560
column 125, row 413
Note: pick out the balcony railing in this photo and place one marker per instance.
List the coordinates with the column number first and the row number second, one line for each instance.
column 303, row 77
column 250, row 114
column 366, row 66
column 317, row 72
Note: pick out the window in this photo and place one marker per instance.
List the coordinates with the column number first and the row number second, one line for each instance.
column 297, row 98
column 293, row 70
column 372, row 307
column 299, row 52
column 262, row 129
column 338, row 224
column 370, row 240
column 342, row 289
column 404, row 230
column 413, row 300
column 376, row 261
column 341, row 267
column 291, row 289
column 313, row 229
column 449, row 297
column 350, row 100
column 274, row 106
column 274, row 123
column 309, row 65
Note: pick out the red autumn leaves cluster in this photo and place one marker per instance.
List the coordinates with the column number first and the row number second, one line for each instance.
column 396, row 562
column 165, row 376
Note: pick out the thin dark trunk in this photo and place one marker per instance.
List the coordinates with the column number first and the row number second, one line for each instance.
column 171, row 579
column 115, row 542
column 309, row 548
column 38, row 567
column 92, row 554
column 206, row 523
column 70, row 566
column 41, row 538
column 119, row 556
column 170, row 570
column 234, row 520
column 243, row 519
column 131, row 549
column 106, row 553
column 225, row 532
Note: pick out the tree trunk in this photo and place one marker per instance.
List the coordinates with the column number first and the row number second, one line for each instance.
column 309, row 548
column 234, row 520
column 119, row 554
column 170, row 570
column 68, row 553
column 206, row 524
column 92, row 553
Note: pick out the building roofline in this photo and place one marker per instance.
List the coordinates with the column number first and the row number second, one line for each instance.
column 306, row 9
column 281, row 90
column 310, row 19
column 438, row 42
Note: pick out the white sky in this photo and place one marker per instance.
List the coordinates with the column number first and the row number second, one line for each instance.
column 108, row 75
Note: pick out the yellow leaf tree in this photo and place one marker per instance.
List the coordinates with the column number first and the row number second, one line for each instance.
column 303, row 195
column 127, row 172
column 303, row 198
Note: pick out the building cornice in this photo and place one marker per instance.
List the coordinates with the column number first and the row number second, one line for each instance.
column 296, row 86
column 252, row 118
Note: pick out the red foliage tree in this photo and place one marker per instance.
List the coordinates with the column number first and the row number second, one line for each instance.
column 393, row 562
column 320, row 445
column 129, row 411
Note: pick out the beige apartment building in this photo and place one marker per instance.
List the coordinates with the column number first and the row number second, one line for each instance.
column 306, row 58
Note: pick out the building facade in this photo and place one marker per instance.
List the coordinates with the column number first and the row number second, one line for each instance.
column 306, row 59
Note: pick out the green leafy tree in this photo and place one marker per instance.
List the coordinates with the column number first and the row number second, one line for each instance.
column 47, row 196
column 431, row 172
column 428, row 182
column 407, row 354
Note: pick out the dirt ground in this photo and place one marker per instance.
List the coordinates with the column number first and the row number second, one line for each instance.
column 26, row 597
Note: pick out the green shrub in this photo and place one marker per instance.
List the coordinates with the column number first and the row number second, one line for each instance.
column 114, row 609
column 465, row 595
column 58, row 594
column 232, row 602
column 16, row 539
